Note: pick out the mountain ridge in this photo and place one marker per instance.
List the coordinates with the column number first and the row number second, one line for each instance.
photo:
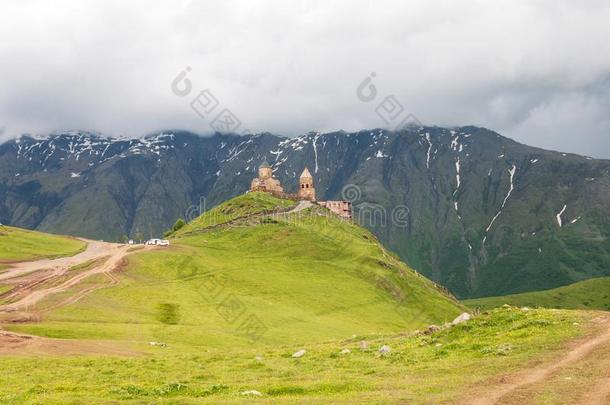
column 465, row 223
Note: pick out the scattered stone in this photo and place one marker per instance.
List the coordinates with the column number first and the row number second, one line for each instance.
column 432, row 329
column 346, row 351
column 252, row 393
column 525, row 309
column 158, row 344
column 506, row 306
column 462, row 318
column 364, row 345
column 258, row 358
column 439, row 345
column 385, row 349
column 576, row 324
column 299, row 354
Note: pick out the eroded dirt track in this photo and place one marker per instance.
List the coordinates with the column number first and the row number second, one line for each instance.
column 33, row 282
column 585, row 349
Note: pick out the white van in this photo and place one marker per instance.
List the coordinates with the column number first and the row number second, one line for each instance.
column 158, row 242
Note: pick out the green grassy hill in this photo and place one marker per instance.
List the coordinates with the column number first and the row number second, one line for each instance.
column 19, row 245
column 588, row 294
column 290, row 277
column 238, row 207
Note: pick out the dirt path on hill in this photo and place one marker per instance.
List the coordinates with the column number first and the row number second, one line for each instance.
column 37, row 280
column 94, row 250
column 599, row 394
column 579, row 350
column 115, row 254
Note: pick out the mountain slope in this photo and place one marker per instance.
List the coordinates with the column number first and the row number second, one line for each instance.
column 477, row 212
column 297, row 276
column 589, row 294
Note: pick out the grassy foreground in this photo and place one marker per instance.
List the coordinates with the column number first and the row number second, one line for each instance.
column 20, row 244
column 417, row 369
column 589, row 294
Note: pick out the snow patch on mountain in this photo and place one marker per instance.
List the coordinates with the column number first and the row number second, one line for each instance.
column 558, row 216
column 512, row 172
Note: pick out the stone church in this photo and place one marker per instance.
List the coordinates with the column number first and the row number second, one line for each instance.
column 269, row 184
column 265, row 180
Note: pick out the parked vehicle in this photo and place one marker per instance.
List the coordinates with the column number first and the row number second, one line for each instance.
column 157, row 242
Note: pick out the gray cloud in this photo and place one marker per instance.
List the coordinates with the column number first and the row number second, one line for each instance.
column 535, row 71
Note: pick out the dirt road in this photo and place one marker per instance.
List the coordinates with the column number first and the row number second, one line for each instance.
column 113, row 253
column 589, row 349
column 93, row 251
column 32, row 282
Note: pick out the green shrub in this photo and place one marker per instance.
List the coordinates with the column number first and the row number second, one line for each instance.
column 178, row 225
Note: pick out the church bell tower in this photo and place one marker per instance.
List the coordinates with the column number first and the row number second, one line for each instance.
column 306, row 188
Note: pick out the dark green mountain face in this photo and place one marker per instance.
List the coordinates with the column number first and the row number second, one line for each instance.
column 475, row 211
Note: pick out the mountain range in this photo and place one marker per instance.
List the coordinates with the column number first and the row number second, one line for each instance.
column 475, row 211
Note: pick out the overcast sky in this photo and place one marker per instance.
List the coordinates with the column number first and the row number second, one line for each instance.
column 536, row 71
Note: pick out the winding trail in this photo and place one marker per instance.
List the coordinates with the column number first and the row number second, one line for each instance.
column 581, row 350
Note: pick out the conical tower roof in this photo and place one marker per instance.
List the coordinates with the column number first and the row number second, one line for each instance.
column 306, row 174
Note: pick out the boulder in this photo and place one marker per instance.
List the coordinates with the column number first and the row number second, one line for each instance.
column 299, row 354
column 385, row 349
column 161, row 344
column 364, row 345
column 345, row 351
column 432, row 329
column 462, row 318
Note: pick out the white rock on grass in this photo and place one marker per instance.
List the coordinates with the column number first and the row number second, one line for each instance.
column 254, row 393
column 345, row 351
column 298, row 354
column 462, row 318
column 385, row 349
column 157, row 344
